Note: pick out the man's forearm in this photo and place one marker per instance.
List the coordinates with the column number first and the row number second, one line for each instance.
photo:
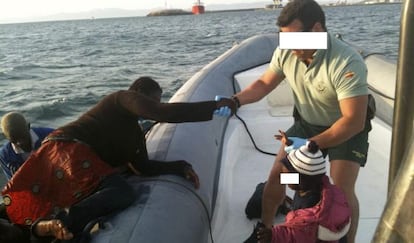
column 255, row 92
column 352, row 122
column 339, row 132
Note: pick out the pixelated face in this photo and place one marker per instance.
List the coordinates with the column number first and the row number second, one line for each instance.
column 297, row 26
column 289, row 173
column 156, row 95
column 22, row 140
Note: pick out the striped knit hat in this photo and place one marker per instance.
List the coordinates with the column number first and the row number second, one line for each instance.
column 308, row 159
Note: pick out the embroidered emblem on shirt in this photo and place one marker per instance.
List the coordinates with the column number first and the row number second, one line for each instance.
column 358, row 154
column 320, row 86
column 349, row 74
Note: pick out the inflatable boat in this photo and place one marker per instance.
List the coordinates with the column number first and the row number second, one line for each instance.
column 233, row 154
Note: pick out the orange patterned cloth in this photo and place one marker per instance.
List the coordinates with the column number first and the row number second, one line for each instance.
column 58, row 175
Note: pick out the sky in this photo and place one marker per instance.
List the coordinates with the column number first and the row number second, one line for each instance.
column 18, row 9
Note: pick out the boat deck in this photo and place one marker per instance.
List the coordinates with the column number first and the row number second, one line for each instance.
column 243, row 167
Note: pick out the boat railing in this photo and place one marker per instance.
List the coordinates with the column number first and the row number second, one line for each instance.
column 396, row 223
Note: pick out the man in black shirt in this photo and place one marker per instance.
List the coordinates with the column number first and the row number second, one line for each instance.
column 88, row 151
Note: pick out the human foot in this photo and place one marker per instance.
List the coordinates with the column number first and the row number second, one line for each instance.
column 54, row 228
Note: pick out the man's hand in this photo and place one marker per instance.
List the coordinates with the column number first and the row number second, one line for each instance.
column 186, row 171
column 192, row 176
column 225, row 106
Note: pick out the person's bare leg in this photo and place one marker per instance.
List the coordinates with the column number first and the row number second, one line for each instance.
column 53, row 227
column 344, row 174
column 274, row 192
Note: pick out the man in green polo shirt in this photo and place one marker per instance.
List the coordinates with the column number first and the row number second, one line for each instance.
column 331, row 99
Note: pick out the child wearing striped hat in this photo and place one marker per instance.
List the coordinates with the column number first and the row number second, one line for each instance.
column 320, row 210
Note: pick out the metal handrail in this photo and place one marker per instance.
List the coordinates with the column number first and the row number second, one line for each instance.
column 403, row 107
column 396, row 223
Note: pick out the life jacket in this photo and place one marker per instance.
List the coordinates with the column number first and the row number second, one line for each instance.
column 59, row 174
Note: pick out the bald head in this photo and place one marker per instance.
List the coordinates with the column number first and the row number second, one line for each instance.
column 16, row 129
column 13, row 123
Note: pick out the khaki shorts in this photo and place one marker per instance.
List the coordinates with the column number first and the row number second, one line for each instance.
column 355, row 149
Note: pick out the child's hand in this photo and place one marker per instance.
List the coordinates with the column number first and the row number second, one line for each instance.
column 283, row 138
column 291, row 143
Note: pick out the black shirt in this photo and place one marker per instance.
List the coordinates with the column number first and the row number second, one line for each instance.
column 310, row 199
column 111, row 127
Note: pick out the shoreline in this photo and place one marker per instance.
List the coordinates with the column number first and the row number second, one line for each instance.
column 182, row 13
column 323, row 6
column 270, row 9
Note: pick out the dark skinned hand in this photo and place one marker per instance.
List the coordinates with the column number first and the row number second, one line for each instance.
column 187, row 172
column 264, row 235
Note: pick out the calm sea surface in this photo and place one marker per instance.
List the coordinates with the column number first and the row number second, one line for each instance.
column 54, row 71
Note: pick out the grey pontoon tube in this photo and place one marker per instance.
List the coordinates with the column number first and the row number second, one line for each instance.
column 396, row 223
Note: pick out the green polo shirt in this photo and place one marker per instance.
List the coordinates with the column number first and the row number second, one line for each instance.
column 336, row 73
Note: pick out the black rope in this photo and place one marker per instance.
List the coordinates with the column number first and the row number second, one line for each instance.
column 251, row 137
column 241, row 119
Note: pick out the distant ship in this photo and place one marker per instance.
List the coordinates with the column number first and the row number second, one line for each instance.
column 198, row 7
column 276, row 4
column 168, row 12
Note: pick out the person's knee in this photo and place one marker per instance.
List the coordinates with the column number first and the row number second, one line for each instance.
column 126, row 195
column 125, row 192
column 349, row 192
column 344, row 175
column 130, row 195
